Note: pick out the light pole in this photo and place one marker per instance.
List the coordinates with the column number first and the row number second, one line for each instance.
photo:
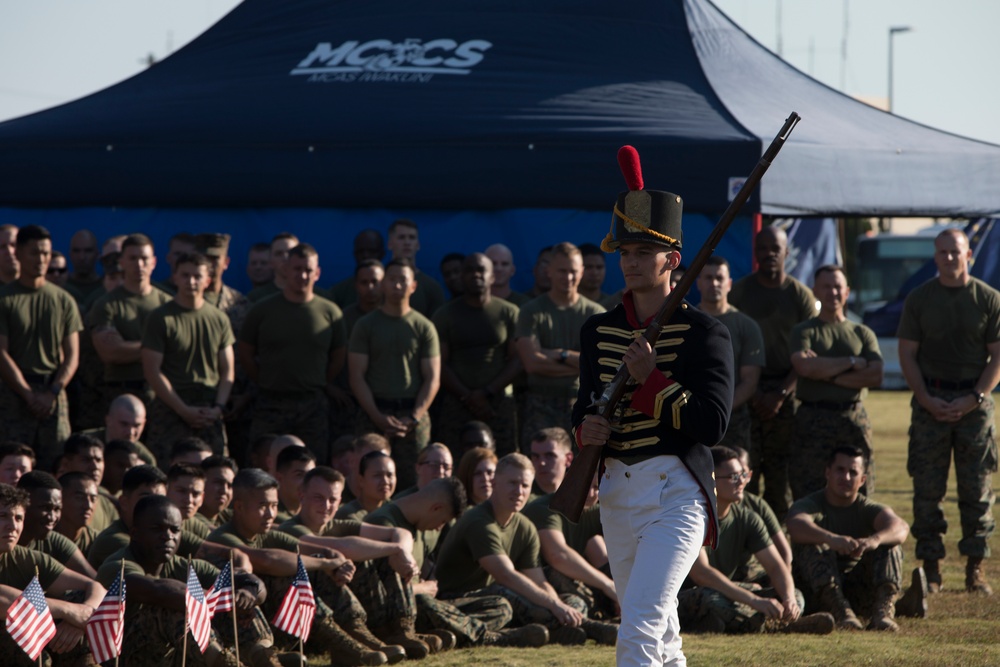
column 893, row 31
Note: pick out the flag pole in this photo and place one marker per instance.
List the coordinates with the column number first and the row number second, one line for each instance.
column 232, row 580
column 120, row 628
column 39, row 585
column 302, row 652
column 184, row 637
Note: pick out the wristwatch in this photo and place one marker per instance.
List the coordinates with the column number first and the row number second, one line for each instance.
column 980, row 396
column 563, row 356
column 55, row 388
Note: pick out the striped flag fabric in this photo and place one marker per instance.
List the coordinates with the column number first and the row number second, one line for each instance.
column 198, row 617
column 29, row 620
column 107, row 624
column 220, row 598
column 297, row 609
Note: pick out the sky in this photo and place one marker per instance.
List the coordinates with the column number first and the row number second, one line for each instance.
column 55, row 51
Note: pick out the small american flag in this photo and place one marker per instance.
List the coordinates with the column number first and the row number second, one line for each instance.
column 197, row 611
column 29, row 620
column 220, row 598
column 298, row 608
column 107, row 624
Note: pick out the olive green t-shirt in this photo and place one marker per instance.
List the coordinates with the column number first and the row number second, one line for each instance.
column 767, row 515
column 332, row 528
column 353, row 511
column 83, row 288
column 953, row 326
column 395, row 347
column 85, row 539
column 197, row 527
column 776, row 310
column 428, row 297
column 293, row 341
column 105, row 513
column 56, row 545
column 126, row 313
column 478, row 535
column 18, row 565
column 116, row 536
column 477, row 338
column 190, row 341
column 832, row 339
column 176, row 568
column 555, row 327
column 748, row 342
column 741, row 531
column 391, row 516
column 855, row 520
column 576, row 534
column 343, row 293
column 226, row 535
column 36, row 322
column 262, row 292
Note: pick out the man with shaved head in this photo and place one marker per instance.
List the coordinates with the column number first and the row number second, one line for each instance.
column 503, row 270
column 125, row 420
column 9, row 267
column 478, row 358
column 777, row 302
column 83, row 255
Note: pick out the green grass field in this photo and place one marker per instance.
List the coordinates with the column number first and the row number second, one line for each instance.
column 959, row 629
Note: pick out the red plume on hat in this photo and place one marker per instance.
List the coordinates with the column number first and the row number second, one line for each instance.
column 628, row 160
column 648, row 216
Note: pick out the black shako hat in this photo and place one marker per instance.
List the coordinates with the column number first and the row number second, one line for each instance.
column 644, row 216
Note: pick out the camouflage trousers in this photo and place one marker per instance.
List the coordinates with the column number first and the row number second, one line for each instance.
column 696, row 603
column 385, row 597
column 405, row 449
column 769, row 449
column 738, row 433
column 598, row 605
column 468, row 618
column 526, row 612
column 334, row 604
column 541, row 411
column 818, row 431
column 303, row 414
column 932, row 444
column 164, row 427
column 154, row 637
column 453, row 415
column 816, row 566
column 46, row 436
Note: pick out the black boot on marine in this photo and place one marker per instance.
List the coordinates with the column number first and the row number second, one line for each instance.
column 568, row 636
column 884, row 611
column 913, row 602
column 601, row 632
column 975, row 580
column 532, row 635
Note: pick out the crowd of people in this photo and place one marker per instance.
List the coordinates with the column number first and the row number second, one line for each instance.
column 405, row 438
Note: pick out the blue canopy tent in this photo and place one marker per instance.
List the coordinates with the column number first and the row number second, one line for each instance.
column 486, row 121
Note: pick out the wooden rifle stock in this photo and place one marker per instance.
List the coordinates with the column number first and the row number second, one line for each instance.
column 571, row 495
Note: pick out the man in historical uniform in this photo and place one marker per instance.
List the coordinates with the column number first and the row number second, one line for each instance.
column 657, row 492
column 835, row 359
column 949, row 352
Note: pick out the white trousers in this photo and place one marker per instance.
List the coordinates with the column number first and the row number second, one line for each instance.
column 654, row 519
